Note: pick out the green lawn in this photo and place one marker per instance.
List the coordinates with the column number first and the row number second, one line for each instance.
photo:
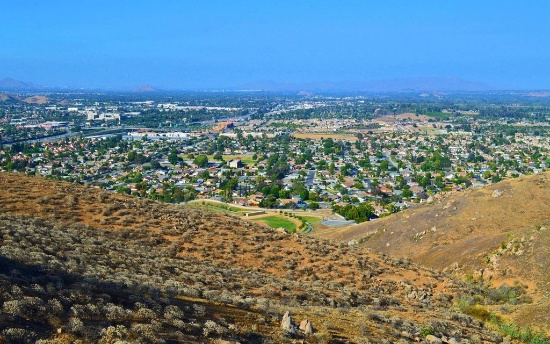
column 277, row 221
column 245, row 158
column 439, row 115
column 311, row 219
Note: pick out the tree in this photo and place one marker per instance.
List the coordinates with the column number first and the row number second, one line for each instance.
column 269, row 202
column 131, row 155
column 218, row 156
column 201, row 160
column 173, row 157
column 407, row 193
column 313, row 205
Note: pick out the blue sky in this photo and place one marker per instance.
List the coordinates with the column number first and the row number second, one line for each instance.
column 215, row 44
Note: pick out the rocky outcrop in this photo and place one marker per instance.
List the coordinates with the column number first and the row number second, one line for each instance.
column 287, row 323
column 306, row 327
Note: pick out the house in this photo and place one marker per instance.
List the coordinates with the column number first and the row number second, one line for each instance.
column 284, row 202
column 235, row 163
column 242, row 201
column 255, row 199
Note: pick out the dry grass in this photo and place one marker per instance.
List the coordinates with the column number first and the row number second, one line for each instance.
column 212, row 267
column 473, row 234
column 36, row 100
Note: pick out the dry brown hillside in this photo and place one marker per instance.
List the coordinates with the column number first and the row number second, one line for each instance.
column 78, row 263
column 498, row 235
column 29, row 100
column 36, row 100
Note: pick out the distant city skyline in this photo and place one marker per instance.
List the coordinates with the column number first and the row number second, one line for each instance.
column 232, row 44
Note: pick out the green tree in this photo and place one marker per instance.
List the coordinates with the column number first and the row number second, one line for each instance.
column 201, row 160
column 173, row 157
column 313, row 205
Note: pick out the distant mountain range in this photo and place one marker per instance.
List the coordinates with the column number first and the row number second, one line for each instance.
column 382, row 85
column 420, row 84
column 12, row 84
column 145, row 88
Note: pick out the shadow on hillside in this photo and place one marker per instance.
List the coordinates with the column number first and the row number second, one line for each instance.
column 36, row 303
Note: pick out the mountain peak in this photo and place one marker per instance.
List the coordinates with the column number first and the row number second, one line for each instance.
column 10, row 83
column 145, row 88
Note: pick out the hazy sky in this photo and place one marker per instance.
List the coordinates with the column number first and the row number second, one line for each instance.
column 205, row 44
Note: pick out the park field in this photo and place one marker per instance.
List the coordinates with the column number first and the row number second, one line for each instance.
column 245, row 158
column 275, row 221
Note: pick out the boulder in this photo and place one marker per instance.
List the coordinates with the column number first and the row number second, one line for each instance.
column 497, row 194
column 433, row 339
column 306, row 327
column 287, row 323
column 309, row 329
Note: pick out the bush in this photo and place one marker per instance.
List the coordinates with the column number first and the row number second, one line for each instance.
column 427, row 330
column 478, row 312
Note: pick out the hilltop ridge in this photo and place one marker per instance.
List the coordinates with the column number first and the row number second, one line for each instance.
column 495, row 235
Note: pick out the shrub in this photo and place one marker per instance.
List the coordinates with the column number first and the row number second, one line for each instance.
column 18, row 335
column 427, row 330
column 477, row 312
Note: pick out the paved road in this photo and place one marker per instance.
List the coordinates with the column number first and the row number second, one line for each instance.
column 310, row 177
column 336, row 220
column 337, row 223
column 387, row 157
column 45, row 139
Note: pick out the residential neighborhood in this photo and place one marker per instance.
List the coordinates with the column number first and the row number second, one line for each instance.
column 361, row 167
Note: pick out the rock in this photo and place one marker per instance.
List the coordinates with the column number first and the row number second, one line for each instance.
column 433, row 339
column 306, row 327
column 287, row 323
column 497, row 194
column 309, row 329
column 281, row 230
column 452, row 341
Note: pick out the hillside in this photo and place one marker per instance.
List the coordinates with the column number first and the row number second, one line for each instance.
column 29, row 100
column 12, row 84
column 83, row 264
column 497, row 235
